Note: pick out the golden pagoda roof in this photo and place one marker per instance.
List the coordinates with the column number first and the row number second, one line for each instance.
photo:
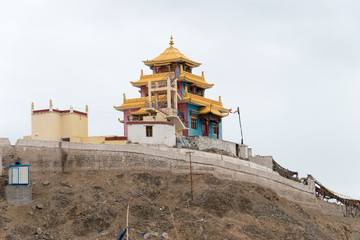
column 141, row 111
column 184, row 76
column 206, row 105
column 170, row 55
column 213, row 110
column 137, row 102
column 204, row 102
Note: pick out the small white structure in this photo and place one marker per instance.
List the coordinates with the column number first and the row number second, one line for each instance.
column 19, row 174
column 152, row 132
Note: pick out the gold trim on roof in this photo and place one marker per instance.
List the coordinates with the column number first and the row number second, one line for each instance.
column 141, row 111
column 197, row 80
column 137, row 102
column 207, row 105
column 213, row 110
column 202, row 101
column 184, row 76
column 144, row 79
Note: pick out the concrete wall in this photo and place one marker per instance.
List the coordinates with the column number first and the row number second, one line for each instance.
column 18, row 195
column 331, row 208
column 262, row 160
column 242, row 151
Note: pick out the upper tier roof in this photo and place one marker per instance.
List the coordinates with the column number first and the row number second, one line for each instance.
column 170, row 55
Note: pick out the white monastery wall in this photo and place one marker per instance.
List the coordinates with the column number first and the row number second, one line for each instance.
column 161, row 134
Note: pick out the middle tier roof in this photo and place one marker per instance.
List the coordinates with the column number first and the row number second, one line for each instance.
column 184, row 76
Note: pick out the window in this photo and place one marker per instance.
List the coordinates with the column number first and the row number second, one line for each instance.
column 149, row 131
column 216, row 128
column 193, row 121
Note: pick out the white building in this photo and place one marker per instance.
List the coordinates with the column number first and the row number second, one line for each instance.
column 152, row 132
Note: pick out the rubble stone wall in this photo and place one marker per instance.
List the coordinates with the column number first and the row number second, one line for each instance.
column 46, row 156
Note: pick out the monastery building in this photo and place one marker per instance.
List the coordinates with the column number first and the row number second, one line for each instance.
column 173, row 95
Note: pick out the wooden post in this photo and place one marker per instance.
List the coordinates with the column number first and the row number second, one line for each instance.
column 127, row 221
column 168, row 92
column 149, row 93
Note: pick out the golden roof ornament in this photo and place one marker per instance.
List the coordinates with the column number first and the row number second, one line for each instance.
column 171, row 41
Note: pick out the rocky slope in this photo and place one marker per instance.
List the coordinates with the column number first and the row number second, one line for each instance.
column 79, row 205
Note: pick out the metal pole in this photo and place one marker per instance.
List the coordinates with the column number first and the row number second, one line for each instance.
column 191, row 182
column 242, row 138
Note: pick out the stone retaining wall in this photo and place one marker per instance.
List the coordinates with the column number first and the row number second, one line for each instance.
column 212, row 144
column 46, row 156
column 331, row 208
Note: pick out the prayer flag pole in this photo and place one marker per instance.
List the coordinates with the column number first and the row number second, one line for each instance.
column 242, row 138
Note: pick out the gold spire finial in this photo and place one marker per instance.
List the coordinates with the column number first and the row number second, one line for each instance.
column 32, row 106
column 51, row 103
column 86, row 108
column 171, row 41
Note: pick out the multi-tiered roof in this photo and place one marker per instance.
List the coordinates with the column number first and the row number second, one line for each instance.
column 172, row 61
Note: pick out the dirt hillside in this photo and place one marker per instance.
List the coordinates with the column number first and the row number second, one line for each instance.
column 79, row 205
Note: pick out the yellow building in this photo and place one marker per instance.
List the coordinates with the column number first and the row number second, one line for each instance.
column 65, row 125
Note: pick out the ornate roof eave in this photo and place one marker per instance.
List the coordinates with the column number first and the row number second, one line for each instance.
column 141, row 111
column 213, row 110
column 185, row 76
column 189, row 62
column 204, row 102
column 197, row 80
column 136, row 102
column 144, row 79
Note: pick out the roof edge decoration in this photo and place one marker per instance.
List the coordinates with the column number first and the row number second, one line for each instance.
column 184, row 76
column 171, row 54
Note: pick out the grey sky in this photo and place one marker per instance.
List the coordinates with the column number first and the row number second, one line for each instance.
column 291, row 66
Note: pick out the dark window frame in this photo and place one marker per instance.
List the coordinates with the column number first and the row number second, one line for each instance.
column 148, row 131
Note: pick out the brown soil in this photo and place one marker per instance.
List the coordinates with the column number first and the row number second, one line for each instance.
column 78, row 205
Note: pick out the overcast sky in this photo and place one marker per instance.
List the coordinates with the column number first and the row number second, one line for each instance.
column 291, row 66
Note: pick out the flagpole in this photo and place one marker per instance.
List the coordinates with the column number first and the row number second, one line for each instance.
column 242, row 138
